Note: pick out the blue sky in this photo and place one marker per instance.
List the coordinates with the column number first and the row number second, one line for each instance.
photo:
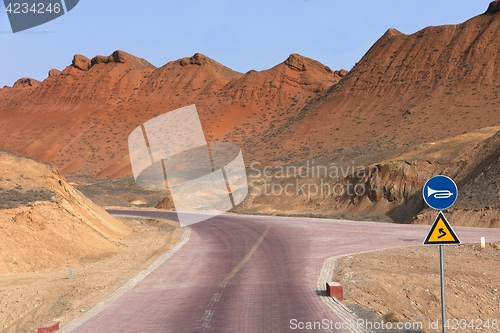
column 242, row 35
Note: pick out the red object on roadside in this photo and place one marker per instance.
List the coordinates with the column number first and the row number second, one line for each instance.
column 334, row 289
column 49, row 327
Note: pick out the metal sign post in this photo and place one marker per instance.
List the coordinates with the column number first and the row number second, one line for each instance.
column 440, row 192
column 443, row 301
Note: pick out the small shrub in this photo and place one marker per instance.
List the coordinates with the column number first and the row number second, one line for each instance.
column 390, row 317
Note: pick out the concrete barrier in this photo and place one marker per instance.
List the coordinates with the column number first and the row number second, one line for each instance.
column 334, row 289
column 49, row 327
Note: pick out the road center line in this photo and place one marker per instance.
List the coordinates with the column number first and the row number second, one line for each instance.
column 207, row 317
column 236, row 269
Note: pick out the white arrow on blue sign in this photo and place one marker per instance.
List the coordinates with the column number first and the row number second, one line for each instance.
column 440, row 192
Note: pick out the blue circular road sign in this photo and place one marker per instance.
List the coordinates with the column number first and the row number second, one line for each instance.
column 440, row 192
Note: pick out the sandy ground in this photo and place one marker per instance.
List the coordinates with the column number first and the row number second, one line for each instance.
column 403, row 285
column 28, row 300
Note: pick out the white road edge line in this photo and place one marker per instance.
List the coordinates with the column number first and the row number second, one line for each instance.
column 110, row 299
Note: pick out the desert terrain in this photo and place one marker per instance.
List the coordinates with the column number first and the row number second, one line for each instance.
column 408, row 90
column 414, row 106
column 30, row 299
column 403, row 285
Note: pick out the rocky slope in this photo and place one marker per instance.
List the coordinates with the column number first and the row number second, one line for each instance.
column 389, row 189
column 438, row 82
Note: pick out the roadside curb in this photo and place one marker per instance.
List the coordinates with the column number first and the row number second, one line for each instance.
column 110, row 299
column 345, row 315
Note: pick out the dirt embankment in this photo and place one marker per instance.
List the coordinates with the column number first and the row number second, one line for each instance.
column 48, row 223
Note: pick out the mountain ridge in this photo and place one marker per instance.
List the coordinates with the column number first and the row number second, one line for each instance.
column 435, row 83
column 74, row 114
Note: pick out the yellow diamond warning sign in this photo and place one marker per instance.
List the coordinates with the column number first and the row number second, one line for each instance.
column 441, row 233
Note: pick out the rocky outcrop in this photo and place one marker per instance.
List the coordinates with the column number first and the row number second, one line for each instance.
column 342, row 72
column 494, row 7
column 54, row 72
column 117, row 56
column 81, row 62
column 26, row 82
column 200, row 60
column 121, row 57
column 197, row 59
column 299, row 63
column 296, row 62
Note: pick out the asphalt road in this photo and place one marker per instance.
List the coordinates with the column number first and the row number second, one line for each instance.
column 249, row 274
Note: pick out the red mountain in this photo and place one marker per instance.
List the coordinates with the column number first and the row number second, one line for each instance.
column 79, row 119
